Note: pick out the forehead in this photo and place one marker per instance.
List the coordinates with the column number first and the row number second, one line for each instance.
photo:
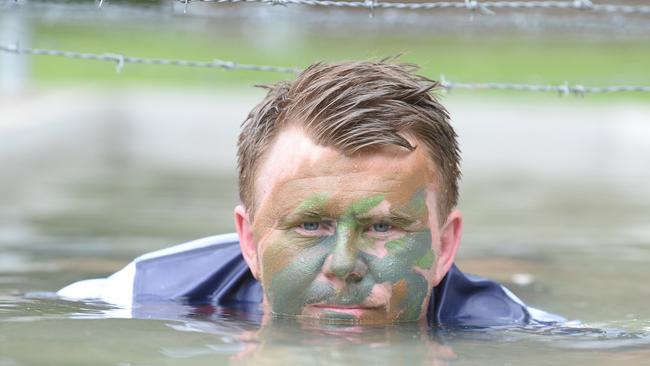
column 295, row 168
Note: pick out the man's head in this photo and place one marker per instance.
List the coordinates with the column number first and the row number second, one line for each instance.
column 348, row 179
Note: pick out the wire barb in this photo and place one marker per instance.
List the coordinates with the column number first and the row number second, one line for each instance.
column 444, row 84
column 370, row 4
column 229, row 65
column 583, row 4
column 475, row 5
column 278, row 2
column 579, row 90
column 119, row 60
column 15, row 48
column 564, row 89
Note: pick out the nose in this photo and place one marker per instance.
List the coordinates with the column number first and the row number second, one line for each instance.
column 344, row 263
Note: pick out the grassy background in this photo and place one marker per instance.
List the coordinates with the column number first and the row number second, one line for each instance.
column 512, row 58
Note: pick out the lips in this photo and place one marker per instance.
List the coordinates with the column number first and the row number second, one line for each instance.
column 344, row 307
column 345, row 313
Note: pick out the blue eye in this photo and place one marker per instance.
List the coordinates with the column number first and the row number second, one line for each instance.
column 311, row 226
column 381, row 227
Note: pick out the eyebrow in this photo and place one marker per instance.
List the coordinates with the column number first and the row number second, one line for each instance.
column 303, row 214
column 395, row 217
column 308, row 213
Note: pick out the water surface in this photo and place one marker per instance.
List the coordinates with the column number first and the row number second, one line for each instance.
column 564, row 223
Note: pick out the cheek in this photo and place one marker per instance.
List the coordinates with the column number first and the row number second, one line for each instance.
column 410, row 254
column 277, row 254
column 289, row 268
column 406, row 265
column 411, row 306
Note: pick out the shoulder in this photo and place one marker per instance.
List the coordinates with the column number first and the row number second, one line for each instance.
column 464, row 299
column 215, row 242
column 197, row 270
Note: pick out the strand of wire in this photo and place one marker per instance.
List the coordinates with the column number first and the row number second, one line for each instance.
column 483, row 6
column 121, row 60
column 336, row 19
column 562, row 89
column 465, row 4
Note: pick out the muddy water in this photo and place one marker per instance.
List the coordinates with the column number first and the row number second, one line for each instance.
column 555, row 197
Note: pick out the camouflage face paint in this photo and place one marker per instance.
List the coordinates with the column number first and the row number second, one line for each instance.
column 299, row 285
column 347, row 238
column 401, row 266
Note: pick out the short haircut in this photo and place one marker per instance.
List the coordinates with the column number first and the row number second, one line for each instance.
column 354, row 106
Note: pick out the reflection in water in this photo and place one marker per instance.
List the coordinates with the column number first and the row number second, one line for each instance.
column 262, row 340
column 282, row 341
column 190, row 334
column 249, row 339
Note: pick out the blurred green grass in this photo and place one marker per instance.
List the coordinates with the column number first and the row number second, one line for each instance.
column 548, row 60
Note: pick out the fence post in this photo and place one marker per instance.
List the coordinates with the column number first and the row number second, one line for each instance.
column 13, row 67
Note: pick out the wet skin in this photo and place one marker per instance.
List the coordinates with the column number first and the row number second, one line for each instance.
column 346, row 239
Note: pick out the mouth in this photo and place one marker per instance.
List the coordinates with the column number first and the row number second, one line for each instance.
column 344, row 307
column 355, row 310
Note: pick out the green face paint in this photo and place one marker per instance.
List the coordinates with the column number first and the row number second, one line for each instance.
column 399, row 264
column 365, row 205
column 302, row 273
column 417, row 203
column 426, row 261
column 314, row 202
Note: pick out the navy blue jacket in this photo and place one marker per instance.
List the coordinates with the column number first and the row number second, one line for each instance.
column 213, row 271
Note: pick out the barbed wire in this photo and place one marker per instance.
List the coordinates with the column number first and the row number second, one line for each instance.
column 120, row 60
column 562, row 89
column 485, row 7
column 339, row 20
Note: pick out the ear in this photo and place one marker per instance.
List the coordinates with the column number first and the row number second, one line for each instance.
column 246, row 243
column 450, row 235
